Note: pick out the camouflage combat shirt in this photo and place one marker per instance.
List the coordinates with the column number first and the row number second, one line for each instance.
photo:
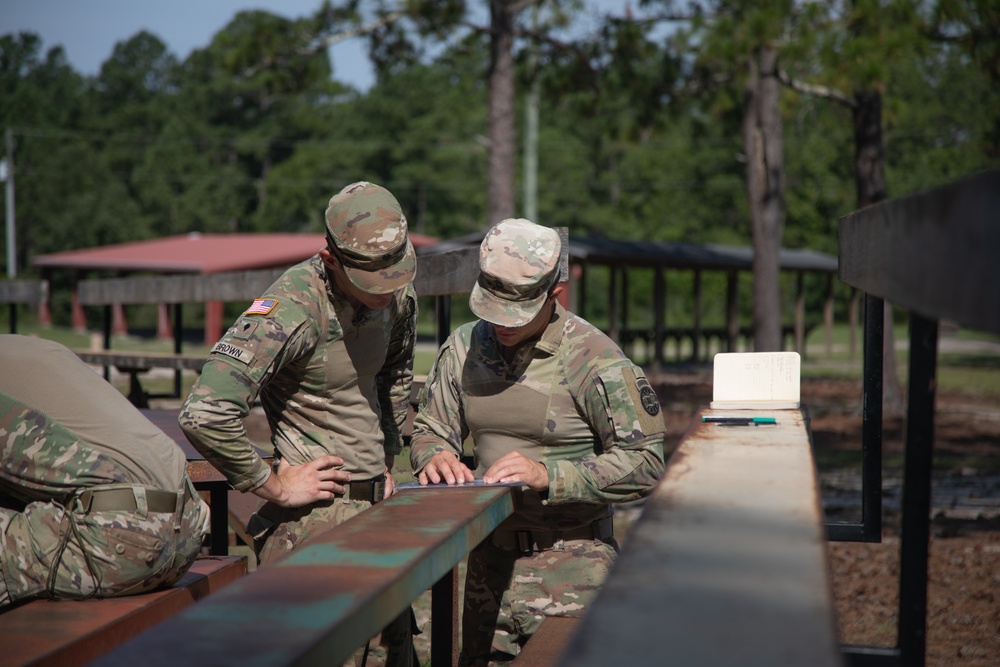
column 570, row 399
column 331, row 379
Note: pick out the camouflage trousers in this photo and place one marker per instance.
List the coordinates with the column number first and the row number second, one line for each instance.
column 507, row 595
column 278, row 531
column 59, row 551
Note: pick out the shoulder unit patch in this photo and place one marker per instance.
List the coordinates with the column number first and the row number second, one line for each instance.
column 650, row 403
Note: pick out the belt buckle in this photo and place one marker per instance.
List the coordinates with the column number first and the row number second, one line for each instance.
column 369, row 491
column 377, row 488
column 85, row 499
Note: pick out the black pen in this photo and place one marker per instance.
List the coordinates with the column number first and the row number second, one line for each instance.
column 740, row 421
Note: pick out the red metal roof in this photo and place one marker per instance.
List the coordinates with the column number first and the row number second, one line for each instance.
column 199, row 253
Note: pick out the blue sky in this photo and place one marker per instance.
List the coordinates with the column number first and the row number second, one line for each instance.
column 89, row 29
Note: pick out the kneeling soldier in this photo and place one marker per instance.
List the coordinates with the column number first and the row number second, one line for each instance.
column 95, row 500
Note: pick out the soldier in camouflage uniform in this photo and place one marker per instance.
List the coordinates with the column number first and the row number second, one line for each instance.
column 550, row 402
column 328, row 350
column 95, row 500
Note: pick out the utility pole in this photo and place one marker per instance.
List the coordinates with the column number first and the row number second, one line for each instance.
column 531, row 153
column 7, row 175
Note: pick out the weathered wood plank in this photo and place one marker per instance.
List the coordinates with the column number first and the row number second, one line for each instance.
column 548, row 642
column 232, row 286
column 128, row 360
column 933, row 252
column 731, row 541
column 324, row 600
column 28, row 292
column 456, row 271
column 66, row 633
column 452, row 272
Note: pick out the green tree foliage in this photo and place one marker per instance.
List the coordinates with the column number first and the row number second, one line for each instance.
column 974, row 26
column 416, row 132
column 41, row 96
column 940, row 121
column 639, row 121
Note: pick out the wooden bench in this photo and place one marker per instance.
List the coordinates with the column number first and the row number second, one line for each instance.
column 328, row 597
column 66, row 633
column 548, row 642
column 668, row 594
column 135, row 364
column 731, row 540
column 22, row 292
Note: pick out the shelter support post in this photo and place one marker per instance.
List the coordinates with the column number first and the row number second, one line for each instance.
column 828, row 317
column 659, row 315
column 732, row 311
column 696, row 328
column 613, row 305
column 800, row 313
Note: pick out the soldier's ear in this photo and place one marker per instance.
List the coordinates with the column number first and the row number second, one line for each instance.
column 329, row 259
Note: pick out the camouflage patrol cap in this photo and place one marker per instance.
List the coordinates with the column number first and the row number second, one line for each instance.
column 366, row 232
column 518, row 265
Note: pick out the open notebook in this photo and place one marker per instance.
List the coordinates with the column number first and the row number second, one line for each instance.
column 755, row 381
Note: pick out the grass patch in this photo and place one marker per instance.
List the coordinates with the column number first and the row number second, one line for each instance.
column 968, row 361
column 975, row 372
column 982, row 382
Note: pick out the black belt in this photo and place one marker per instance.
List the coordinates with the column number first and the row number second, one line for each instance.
column 529, row 541
column 370, row 490
column 123, row 499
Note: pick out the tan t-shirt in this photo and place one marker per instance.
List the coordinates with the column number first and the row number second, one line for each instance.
column 49, row 378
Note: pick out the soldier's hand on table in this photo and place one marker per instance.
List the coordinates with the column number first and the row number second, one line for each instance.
column 295, row 486
column 516, row 467
column 444, row 467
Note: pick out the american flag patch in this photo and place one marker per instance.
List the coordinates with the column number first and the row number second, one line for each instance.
column 261, row 307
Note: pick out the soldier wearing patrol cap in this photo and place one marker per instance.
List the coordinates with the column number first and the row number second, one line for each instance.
column 552, row 403
column 328, row 350
column 95, row 500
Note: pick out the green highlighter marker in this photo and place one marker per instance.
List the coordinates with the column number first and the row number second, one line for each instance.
column 740, row 421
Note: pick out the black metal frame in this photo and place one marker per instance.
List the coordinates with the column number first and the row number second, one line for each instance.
column 870, row 527
column 914, row 548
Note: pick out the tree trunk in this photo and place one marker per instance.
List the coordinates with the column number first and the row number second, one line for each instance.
column 869, row 154
column 502, row 133
column 869, row 175
column 764, row 148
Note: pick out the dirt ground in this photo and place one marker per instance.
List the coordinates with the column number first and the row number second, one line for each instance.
column 963, row 619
